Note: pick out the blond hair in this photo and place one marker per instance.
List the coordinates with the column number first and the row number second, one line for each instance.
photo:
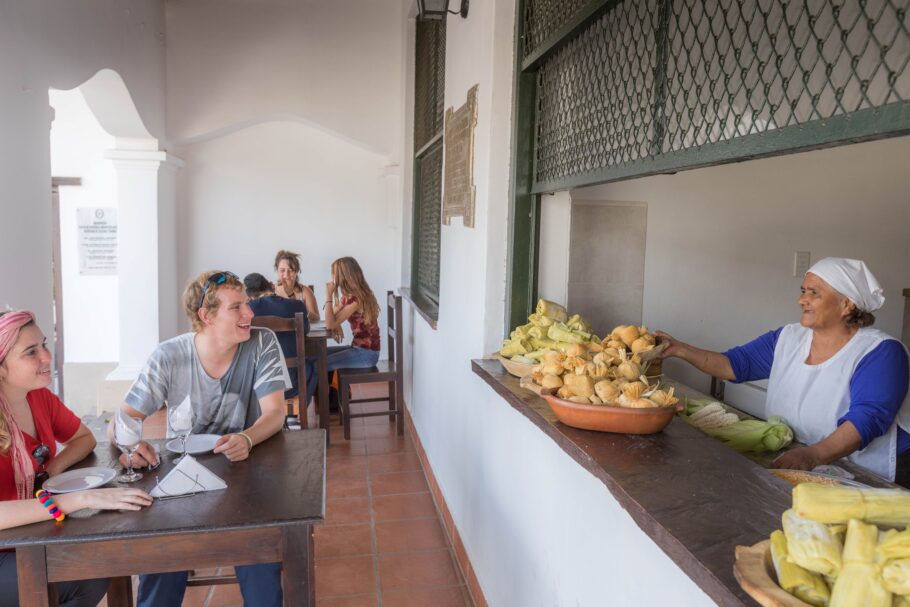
column 193, row 294
column 348, row 278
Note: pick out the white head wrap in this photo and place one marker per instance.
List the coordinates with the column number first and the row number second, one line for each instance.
column 853, row 279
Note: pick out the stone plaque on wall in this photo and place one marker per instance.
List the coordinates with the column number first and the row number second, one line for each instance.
column 459, row 188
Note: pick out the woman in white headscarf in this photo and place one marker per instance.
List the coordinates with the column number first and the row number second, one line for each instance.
column 840, row 384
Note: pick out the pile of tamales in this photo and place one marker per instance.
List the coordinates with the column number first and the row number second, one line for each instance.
column 845, row 547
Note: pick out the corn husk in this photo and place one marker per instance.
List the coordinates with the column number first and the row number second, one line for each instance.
column 835, row 504
column 811, row 545
column 607, row 392
column 859, row 583
column 549, row 309
column 579, row 385
column 754, row 435
column 896, row 576
column 515, row 346
column 577, row 323
column 900, row 601
column 895, row 544
column 561, row 333
column 801, row 583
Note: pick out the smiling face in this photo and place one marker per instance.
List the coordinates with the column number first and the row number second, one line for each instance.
column 230, row 322
column 822, row 307
column 28, row 365
column 286, row 274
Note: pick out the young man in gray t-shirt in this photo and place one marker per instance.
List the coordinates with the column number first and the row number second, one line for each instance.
column 235, row 377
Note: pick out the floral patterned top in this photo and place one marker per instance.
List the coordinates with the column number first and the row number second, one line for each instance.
column 365, row 335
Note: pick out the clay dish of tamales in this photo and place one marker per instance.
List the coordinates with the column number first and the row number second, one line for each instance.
column 755, row 573
column 611, row 418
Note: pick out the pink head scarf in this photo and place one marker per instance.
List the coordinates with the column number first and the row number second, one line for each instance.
column 23, row 468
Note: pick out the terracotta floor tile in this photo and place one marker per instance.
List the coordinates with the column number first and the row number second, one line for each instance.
column 389, row 444
column 343, row 540
column 340, row 448
column 345, row 576
column 407, row 536
column 437, row 597
column 348, row 510
column 360, row 600
column 346, row 467
column 374, row 390
column 393, row 462
column 398, row 482
column 408, row 506
column 227, row 595
column 346, row 487
column 416, row 570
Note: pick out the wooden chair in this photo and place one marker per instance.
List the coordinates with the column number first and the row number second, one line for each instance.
column 391, row 371
column 282, row 325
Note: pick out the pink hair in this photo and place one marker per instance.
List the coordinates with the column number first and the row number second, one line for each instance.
column 23, row 469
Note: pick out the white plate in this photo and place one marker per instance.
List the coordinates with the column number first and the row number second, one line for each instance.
column 79, row 479
column 196, row 443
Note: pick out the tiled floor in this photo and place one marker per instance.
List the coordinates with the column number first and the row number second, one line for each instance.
column 382, row 543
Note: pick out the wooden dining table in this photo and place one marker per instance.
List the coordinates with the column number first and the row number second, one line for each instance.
column 316, row 345
column 265, row 515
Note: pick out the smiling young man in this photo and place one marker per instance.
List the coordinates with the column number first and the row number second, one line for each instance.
column 235, row 377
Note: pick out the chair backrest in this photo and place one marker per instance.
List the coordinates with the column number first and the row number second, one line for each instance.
column 279, row 324
column 395, row 332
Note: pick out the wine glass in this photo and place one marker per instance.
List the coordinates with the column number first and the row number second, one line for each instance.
column 127, row 436
column 180, row 421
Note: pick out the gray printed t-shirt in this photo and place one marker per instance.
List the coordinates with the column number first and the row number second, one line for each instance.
column 222, row 406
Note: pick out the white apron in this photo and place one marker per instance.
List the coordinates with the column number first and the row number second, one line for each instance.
column 811, row 398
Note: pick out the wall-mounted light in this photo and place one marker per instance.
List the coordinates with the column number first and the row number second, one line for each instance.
column 429, row 10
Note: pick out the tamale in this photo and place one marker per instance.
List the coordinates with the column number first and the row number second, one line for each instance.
column 801, row 583
column 811, row 545
column 901, row 601
column 896, row 576
column 895, row 544
column 859, row 583
column 836, row 504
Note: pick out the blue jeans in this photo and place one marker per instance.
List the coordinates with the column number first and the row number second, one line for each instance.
column 86, row 593
column 260, row 586
column 351, row 357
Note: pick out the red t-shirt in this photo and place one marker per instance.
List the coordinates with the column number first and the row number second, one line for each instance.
column 53, row 423
column 365, row 335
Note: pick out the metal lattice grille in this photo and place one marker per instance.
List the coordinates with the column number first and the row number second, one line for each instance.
column 429, row 81
column 427, row 221
column 542, row 18
column 650, row 78
column 595, row 97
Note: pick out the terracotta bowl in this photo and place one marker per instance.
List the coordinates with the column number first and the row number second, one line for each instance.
column 610, row 418
column 514, row 368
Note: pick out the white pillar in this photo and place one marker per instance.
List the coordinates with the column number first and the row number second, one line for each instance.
column 140, row 230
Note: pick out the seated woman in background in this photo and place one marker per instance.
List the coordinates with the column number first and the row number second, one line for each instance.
column 32, row 422
column 349, row 298
column 287, row 268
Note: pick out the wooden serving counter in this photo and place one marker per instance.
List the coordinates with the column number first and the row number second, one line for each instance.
column 695, row 497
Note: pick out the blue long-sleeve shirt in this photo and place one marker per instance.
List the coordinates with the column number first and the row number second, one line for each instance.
column 877, row 389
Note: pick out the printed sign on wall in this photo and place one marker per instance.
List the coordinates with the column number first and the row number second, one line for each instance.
column 97, row 241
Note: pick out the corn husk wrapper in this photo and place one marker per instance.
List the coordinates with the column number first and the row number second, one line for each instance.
column 515, row 346
column 811, row 545
column 552, row 310
column 835, row 504
column 560, row 332
column 900, row 601
column 895, row 545
column 801, row 583
column 859, row 583
column 896, row 576
column 577, row 323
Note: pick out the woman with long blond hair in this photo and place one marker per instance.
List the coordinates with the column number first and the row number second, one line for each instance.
column 349, row 298
column 32, row 422
column 287, row 270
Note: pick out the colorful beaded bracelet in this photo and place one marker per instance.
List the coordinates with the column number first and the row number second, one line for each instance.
column 45, row 498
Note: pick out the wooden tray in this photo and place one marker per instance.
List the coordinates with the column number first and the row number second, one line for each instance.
column 755, row 573
column 514, row 368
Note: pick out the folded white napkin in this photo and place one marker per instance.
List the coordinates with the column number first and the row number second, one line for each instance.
column 188, row 476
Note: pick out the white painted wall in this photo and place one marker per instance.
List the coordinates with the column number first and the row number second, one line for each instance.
column 500, row 475
column 288, row 115
column 91, row 325
column 721, row 240
column 60, row 44
column 553, row 257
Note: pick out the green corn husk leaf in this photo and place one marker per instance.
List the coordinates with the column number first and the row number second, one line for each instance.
column 538, row 332
column 560, row 332
column 695, row 404
column 538, row 320
column 515, row 346
column 577, row 323
column 543, row 344
column 811, row 545
column 522, row 332
column 754, row 435
column 896, row 576
column 859, row 583
column 801, row 583
column 551, row 310
column 537, row 355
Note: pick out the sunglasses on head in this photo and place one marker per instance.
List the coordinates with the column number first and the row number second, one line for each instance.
column 218, row 278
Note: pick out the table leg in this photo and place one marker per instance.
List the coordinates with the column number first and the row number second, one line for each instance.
column 297, row 567
column 322, row 389
column 31, row 569
column 120, row 593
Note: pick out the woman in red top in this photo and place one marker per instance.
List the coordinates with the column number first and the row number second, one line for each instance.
column 32, row 422
column 349, row 298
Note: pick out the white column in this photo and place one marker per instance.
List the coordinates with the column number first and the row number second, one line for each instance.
column 140, row 228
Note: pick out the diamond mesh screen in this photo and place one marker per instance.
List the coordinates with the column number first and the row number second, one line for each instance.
column 648, row 78
column 429, row 81
column 427, row 221
column 542, row 18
